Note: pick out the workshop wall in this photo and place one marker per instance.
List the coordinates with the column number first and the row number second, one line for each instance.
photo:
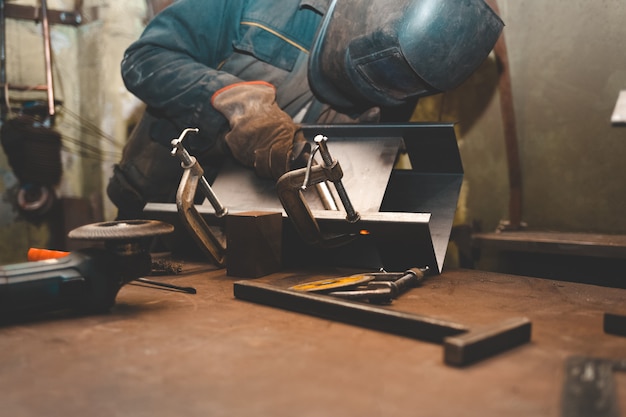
column 92, row 119
column 567, row 69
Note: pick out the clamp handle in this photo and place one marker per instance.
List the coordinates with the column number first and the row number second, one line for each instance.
column 189, row 162
column 185, row 195
column 351, row 215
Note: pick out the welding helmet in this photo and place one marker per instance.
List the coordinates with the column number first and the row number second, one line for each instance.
column 384, row 53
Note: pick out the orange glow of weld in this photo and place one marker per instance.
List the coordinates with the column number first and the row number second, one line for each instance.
column 364, row 232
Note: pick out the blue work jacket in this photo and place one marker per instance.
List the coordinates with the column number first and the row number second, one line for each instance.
column 177, row 64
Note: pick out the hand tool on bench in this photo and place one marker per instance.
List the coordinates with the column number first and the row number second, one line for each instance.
column 327, row 285
column 462, row 345
column 36, row 254
column 86, row 280
column 383, row 289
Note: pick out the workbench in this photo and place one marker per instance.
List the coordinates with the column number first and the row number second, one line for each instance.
column 169, row 353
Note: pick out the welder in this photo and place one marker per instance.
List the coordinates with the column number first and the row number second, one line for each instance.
column 248, row 73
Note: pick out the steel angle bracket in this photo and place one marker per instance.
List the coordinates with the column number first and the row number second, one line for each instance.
column 461, row 345
column 428, row 185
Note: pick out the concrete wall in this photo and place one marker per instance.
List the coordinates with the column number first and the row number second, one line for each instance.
column 95, row 110
column 567, row 67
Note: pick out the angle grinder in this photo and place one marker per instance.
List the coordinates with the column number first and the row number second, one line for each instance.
column 86, row 280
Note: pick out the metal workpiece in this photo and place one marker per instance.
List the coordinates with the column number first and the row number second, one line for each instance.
column 193, row 175
column 462, row 345
column 406, row 213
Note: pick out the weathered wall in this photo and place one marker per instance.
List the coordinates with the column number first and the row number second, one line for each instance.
column 107, row 102
column 567, row 68
column 95, row 107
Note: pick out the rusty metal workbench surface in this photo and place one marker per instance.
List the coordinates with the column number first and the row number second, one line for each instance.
column 165, row 353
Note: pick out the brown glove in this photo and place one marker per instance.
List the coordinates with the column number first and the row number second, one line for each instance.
column 261, row 134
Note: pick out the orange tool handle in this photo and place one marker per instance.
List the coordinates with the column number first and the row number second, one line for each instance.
column 37, row 254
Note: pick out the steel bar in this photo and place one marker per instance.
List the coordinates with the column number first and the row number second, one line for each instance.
column 481, row 343
column 373, row 295
column 373, row 317
column 462, row 346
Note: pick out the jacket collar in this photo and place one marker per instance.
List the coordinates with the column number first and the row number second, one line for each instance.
column 319, row 5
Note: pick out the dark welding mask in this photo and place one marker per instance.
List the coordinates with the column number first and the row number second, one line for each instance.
column 384, row 53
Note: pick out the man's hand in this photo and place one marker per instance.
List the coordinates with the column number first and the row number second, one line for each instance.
column 261, row 134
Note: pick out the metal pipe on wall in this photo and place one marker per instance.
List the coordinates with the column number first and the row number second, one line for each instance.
column 48, row 58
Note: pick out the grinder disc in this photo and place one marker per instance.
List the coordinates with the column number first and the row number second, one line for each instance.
column 121, row 229
column 332, row 283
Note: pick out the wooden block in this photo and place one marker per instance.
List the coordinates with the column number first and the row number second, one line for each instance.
column 254, row 243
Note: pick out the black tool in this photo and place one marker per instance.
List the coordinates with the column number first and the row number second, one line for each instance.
column 589, row 387
column 188, row 290
column 615, row 324
column 383, row 289
column 86, row 280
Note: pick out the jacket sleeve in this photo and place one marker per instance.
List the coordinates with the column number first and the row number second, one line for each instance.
column 172, row 67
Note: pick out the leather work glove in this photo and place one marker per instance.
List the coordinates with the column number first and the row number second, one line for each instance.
column 261, row 135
